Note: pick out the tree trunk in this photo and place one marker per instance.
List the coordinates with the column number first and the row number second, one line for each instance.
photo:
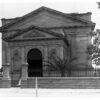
column 69, row 73
column 63, row 74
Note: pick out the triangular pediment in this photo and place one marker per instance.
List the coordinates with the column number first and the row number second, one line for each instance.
column 45, row 17
column 34, row 33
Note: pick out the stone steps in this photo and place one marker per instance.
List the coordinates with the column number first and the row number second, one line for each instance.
column 15, row 80
column 78, row 83
column 0, row 82
column 14, row 83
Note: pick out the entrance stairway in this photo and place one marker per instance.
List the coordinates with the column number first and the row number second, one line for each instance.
column 14, row 83
column 0, row 79
column 0, row 82
column 65, row 82
column 15, row 80
column 79, row 83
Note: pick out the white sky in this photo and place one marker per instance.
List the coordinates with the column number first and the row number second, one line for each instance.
column 17, row 8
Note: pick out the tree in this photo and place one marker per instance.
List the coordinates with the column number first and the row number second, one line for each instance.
column 61, row 65
column 1, row 69
column 94, row 49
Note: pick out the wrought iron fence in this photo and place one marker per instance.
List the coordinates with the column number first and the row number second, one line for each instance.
column 76, row 73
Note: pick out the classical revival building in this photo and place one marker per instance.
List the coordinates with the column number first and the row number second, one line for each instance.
column 33, row 38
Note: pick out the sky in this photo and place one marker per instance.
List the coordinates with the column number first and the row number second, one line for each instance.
column 17, row 8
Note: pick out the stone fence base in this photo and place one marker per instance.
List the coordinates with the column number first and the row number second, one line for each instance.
column 56, row 82
column 5, row 83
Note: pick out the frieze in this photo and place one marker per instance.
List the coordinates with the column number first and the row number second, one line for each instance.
column 16, row 55
column 52, row 53
column 34, row 33
column 35, row 43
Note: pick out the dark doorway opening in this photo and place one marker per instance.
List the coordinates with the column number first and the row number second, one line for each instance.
column 34, row 59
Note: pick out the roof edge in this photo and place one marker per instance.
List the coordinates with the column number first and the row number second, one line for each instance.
column 39, row 9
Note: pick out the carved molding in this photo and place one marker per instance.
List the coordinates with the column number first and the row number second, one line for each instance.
column 35, row 43
column 32, row 34
column 52, row 53
column 16, row 55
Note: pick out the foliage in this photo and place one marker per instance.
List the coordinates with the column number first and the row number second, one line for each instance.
column 61, row 65
column 1, row 69
column 94, row 49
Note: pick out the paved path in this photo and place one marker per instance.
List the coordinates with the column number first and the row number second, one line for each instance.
column 17, row 92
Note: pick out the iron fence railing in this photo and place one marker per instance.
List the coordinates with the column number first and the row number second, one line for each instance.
column 76, row 73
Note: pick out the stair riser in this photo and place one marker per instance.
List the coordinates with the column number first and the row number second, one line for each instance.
column 80, row 83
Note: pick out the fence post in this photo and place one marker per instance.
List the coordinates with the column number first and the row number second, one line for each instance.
column 36, row 86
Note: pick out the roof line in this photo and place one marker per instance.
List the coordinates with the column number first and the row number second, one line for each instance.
column 44, row 28
column 48, row 9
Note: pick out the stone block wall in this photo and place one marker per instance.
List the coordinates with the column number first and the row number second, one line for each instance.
column 5, row 83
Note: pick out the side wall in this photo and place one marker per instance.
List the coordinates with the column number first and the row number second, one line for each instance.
column 79, row 39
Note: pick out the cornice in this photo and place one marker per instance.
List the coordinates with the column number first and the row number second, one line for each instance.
column 36, row 28
column 48, row 10
column 39, row 39
column 35, row 39
column 46, row 28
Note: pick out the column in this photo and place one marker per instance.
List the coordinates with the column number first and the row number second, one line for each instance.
column 24, row 75
column 61, row 52
column 45, row 68
column 23, row 53
column 3, row 52
column 6, row 80
column 8, row 55
column 24, row 71
column 46, row 54
column 6, row 71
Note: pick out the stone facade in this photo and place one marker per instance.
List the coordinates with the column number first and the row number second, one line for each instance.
column 47, row 30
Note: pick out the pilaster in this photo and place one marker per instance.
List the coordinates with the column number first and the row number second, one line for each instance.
column 6, row 71
column 6, row 80
column 45, row 68
column 24, row 71
column 61, row 52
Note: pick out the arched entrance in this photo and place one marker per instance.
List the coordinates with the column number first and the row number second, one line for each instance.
column 34, row 59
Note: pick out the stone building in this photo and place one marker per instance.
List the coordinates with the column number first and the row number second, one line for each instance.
column 36, row 36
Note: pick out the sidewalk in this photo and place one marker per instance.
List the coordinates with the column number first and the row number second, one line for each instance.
column 17, row 92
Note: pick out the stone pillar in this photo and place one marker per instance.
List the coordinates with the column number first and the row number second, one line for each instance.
column 6, row 80
column 61, row 52
column 45, row 70
column 8, row 54
column 3, row 51
column 24, row 75
column 23, row 55
column 24, row 71
column 6, row 71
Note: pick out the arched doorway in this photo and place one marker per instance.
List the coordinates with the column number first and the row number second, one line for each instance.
column 34, row 59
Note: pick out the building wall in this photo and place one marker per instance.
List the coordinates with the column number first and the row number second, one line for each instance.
column 79, row 39
column 22, row 49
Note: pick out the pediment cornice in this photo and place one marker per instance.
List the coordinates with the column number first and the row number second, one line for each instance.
column 54, row 12
column 35, row 29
